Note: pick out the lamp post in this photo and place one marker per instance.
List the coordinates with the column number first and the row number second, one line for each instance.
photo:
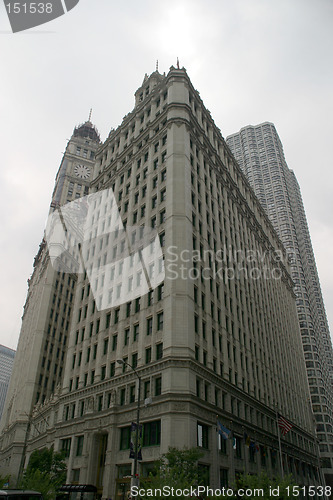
column 135, row 479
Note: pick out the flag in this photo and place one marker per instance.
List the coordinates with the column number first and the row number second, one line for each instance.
column 284, row 425
column 234, row 443
column 133, row 440
column 247, row 439
column 223, row 431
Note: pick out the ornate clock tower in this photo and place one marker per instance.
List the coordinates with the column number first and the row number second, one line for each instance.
column 40, row 356
column 76, row 169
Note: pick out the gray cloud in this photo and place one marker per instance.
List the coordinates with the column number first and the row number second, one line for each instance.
column 251, row 61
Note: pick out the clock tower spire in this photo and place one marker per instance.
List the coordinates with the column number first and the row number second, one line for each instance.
column 76, row 169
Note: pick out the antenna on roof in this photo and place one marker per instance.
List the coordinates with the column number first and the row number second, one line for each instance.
column 177, row 63
column 89, row 119
column 157, row 65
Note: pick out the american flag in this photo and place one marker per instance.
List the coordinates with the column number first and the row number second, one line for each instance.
column 284, row 425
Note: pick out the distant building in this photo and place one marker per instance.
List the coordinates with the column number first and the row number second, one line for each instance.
column 259, row 152
column 6, row 366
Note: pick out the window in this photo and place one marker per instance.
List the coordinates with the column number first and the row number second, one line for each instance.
column 103, row 372
column 116, row 315
column 152, row 433
column 222, row 445
column 112, row 369
column 158, row 386
column 150, row 297
column 114, row 342
column 134, row 360
column 79, row 445
column 162, row 216
column 160, row 321
column 203, row 436
column 135, row 332
column 238, row 452
column 146, row 389
column 106, row 345
column 122, row 396
column 66, row 446
column 107, row 320
column 159, row 351
column 126, row 336
column 162, row 239
column 132, row 393
column 148, row 355
column 149, row 326
column 125, row 437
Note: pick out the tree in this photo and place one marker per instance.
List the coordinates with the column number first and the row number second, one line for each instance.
column 176, row 469
column 4, row 480
column 265, row 483
column 46, row 472
column 39, row 481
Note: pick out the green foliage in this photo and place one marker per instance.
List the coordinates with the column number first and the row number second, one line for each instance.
column 4, row 480
column 261, row 482
column 177, row 469
column 265, row 483
column 46, row 472
column 39, row 481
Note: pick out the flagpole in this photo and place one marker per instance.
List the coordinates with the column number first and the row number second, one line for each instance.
column 279, row 438
column 232, row 453
column 218, row 453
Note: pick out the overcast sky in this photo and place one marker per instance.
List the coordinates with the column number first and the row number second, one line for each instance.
column 251, row 61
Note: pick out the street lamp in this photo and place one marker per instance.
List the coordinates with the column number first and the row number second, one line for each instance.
column 135, row 479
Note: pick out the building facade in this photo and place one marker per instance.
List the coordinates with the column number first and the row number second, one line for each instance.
column 217, row 336
column 6, row 366
column 39, row 361
column 259, row 152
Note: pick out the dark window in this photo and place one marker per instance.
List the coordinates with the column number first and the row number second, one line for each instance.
column 66, row 446
column 125, row 437
column 149, row 326
column 160, row 321
column 158, row 386
column 152, row 433
column 148, row 355
column 203, row 436
column 159, row 351
column 79, row 445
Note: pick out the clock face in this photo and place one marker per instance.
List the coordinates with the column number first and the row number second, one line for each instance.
column 82, row 171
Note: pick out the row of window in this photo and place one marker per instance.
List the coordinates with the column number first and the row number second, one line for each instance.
column 151, row 435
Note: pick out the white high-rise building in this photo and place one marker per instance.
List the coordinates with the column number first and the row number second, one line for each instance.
column 181, row 277
column 6, row 366
column 259, row 152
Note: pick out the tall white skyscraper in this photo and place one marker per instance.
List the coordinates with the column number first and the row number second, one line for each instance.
column 6, row 366
column 259, row 152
